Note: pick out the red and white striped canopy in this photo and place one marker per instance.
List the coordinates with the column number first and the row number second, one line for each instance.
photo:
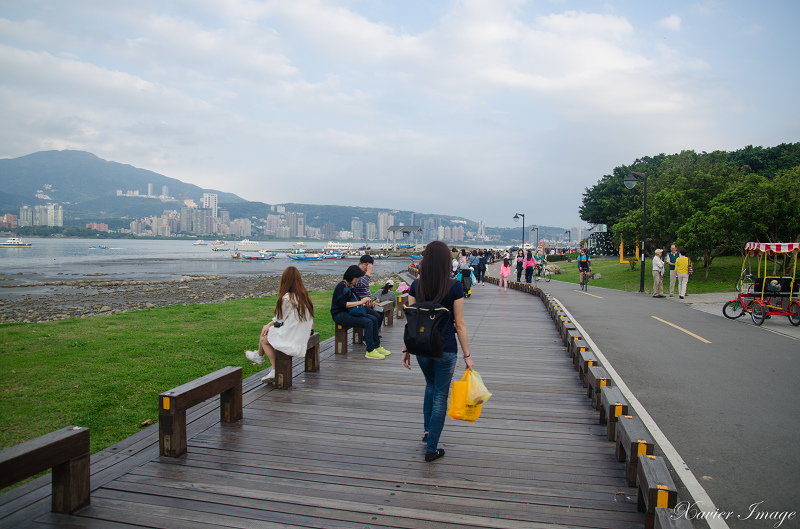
column 772, row 247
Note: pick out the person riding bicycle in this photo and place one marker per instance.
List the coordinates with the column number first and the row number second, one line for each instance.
column 541, row 261
column 584, row 267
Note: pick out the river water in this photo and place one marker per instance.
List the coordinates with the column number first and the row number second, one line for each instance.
column 156, row 260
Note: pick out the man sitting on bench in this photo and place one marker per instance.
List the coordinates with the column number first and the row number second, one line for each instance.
column 361, row 286
column 289, row 330
column 349, row 310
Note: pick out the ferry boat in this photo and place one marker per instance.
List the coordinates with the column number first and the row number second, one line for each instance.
column 201, row 242
column 15, row 242
column 338, row 246
column 219, row 243
column 247, row 242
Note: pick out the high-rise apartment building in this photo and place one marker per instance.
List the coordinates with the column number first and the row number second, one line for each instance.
column 301, row 225
column 357, row 227
column 291, row 223
column 371, row 231
column 481, row 228
column 385, row 221
column 210, row 202
column 25, row 216
column 164, row 191
column 151, row 190
column 49, row 215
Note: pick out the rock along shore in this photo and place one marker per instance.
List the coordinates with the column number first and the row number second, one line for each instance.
column 22, row 301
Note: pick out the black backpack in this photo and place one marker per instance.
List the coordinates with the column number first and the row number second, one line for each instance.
column 426, row 322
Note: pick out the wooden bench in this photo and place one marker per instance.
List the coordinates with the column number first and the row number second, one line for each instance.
column 172, row 406
column 402, row 299
column 669, row 519
column 633, row 440
column 283, row 363
column 656, row 488
column 341, row 337
column 66, row 451
column 612, row 406
column 596, row 379
column 387, row 309
column 584, row 360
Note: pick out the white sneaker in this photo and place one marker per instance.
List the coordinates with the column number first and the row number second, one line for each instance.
column 269, row 378
column 254, row 357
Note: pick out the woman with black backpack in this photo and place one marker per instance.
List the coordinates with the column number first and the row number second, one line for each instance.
column 435, row 285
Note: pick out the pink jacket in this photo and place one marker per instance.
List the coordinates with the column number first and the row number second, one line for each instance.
column 505, row 270
column 530, row 262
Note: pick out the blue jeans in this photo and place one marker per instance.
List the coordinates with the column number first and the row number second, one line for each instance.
column 368, row 322
column 438, row 375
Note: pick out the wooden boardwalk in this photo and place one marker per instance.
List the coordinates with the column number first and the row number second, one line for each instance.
column 342, row 448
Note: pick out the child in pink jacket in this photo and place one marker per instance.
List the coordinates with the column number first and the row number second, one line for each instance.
column 505, row 269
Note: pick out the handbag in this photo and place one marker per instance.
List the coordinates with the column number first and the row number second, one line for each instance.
column 360, row 310
column 459, row 408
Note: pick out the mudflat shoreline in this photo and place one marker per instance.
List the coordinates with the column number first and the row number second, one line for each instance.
column 24, row 299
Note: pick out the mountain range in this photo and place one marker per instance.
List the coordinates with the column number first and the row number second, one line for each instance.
column 86, row 187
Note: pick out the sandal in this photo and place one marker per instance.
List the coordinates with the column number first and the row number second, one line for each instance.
column 432, row 456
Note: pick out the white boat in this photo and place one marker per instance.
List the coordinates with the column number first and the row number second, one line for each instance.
column 338, row 246
column 247, row 242
column 15, row 242
column 219, row 243
column 201, row 242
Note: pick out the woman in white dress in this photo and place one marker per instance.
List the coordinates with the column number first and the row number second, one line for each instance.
column 289, row 330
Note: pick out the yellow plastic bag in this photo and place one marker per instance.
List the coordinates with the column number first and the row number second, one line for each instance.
column 459, row 409
column 476, row 391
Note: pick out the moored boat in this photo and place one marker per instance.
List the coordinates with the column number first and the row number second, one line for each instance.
column 259, row 257
column 306, row 256
column 201, row 242
column 15, row 242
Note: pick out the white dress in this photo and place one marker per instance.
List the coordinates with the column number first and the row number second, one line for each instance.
column 292, row 336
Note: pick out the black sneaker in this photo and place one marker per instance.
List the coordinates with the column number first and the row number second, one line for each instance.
column 433, row 456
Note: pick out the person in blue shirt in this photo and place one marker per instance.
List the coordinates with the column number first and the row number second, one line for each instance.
column 584, row 267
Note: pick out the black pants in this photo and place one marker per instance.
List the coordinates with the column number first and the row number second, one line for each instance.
column 519, row 273
column 528, row 274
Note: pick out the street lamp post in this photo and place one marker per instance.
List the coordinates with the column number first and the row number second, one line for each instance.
column 630, row 182
column 516, row 218
column 537, row 234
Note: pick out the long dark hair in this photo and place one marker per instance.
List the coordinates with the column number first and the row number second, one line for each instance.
column 292, row 283
column 434, row 276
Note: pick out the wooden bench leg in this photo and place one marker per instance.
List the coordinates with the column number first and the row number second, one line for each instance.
column 283, row 370
column 71, row 485
column 230, row 404
column 341, row 339
column 312, row 354
column 172, row 433
column 388, row 317
column 358, row 335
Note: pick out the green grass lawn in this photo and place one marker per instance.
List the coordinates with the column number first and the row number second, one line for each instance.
column 104, row 372
column 722, row 275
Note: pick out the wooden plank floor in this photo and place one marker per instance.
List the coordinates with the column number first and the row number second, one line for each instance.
column 342, row 448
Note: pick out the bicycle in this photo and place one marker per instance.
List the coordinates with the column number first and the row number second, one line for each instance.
column 542, row 271
column 744, row 281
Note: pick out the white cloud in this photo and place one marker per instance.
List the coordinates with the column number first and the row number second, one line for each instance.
column 672, row 23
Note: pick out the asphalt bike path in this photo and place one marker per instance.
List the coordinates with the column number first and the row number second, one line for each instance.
column 725, row 394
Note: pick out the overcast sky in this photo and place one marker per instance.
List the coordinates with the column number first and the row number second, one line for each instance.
column 475, row 108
